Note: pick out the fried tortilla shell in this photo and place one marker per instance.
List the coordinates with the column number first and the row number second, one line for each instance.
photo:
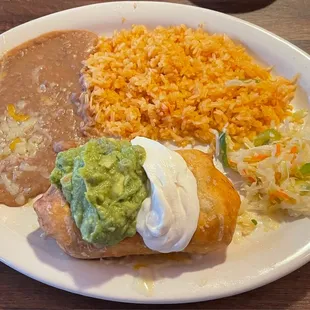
column 219, row 206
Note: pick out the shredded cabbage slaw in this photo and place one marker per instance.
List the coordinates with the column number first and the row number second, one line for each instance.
column 275, row 169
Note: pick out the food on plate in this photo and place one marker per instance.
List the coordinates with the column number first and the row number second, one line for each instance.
column 105, row 185
column 176, row 83
column 275, row 167
column 113, row 198
column 70, row 92
column 37, row 80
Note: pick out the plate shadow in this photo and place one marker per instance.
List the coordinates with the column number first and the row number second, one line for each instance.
column 233, row 6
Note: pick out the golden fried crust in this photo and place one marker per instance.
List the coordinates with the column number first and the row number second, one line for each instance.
column 219, row 206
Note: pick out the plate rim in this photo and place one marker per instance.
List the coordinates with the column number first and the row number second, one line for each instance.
column 295, row 264
column 290, row 266
column 172, row 4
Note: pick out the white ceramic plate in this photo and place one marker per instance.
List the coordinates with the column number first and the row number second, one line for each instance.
column 262, row 258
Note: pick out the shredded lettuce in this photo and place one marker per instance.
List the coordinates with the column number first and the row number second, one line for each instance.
column 305, row 169
column 266, row 137
column 223, row 149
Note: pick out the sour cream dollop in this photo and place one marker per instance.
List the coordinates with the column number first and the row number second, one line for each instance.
column 168, row 218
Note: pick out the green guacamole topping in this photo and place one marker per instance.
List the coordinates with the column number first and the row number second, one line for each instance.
column 105, row 184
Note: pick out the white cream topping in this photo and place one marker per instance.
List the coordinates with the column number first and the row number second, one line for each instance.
column 168, row 218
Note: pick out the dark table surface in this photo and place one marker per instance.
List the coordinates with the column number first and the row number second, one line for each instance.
column 288, row 18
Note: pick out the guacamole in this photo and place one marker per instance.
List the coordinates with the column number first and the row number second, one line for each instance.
column 105, row 184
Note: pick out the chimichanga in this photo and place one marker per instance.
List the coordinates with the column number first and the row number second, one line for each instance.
column 219, row 206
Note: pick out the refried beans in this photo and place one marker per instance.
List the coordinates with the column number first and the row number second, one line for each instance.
column 37, row 83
